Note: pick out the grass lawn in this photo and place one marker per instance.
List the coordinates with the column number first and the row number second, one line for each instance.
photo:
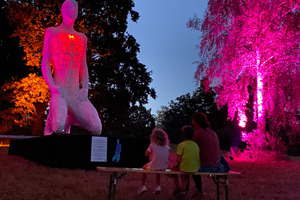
column 22, row 179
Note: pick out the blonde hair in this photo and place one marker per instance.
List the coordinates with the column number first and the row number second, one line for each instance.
column 159, row 137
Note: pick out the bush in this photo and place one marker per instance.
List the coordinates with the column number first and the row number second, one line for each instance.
column 265, row 145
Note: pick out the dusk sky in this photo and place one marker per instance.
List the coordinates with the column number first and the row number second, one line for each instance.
column 167, row 46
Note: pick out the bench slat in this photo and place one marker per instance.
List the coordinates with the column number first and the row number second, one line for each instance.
column 168, row 171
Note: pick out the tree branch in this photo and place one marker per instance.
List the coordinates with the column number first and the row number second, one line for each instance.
column 279, row 17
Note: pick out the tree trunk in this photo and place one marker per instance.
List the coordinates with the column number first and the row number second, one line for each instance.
column 261, row 119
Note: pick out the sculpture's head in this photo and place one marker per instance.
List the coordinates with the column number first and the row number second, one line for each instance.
column 69, row 11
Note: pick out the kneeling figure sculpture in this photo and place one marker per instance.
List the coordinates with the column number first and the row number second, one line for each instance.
column 65, row 49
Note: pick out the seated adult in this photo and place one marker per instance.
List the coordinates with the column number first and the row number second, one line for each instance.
column 208, row 142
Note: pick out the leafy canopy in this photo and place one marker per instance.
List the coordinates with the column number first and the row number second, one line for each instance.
column 243, row 41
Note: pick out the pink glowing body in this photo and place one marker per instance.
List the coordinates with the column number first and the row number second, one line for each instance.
column 65, row 49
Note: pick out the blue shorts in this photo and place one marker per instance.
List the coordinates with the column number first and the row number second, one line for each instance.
column 223, row 167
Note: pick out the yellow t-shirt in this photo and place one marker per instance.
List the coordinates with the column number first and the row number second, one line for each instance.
column 189, row 151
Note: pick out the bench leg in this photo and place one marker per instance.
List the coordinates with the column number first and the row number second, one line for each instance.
column 226, row 188
column 219, row 181
column 112, row 186
column 218, row 187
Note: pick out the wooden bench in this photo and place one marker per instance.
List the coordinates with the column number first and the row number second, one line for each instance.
column 118, row 173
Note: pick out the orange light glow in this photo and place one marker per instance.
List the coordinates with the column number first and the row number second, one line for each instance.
column 4, row 145
column 71, row 37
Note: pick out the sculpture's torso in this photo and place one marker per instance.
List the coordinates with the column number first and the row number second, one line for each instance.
column 67, row 56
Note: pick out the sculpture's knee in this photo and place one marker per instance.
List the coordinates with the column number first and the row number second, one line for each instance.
column 95, row 128
column 53, row 125
column 68, row 124
column 58, row 126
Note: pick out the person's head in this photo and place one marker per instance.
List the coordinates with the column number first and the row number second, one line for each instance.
column 159, row 137
column 187, row 132
column 69, row 11
column 199, row 119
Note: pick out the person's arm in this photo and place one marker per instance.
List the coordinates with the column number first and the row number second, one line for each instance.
column 179, row 159
column 148, row 150
column 47, row 57
column 84, row 75
column 147, row 153
column 179, row 153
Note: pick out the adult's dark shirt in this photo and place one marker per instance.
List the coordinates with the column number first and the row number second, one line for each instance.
column 209, row 145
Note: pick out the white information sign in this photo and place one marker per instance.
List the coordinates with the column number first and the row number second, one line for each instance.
column 99, row 149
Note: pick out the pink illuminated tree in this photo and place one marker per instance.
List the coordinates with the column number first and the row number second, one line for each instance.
column 252, row 47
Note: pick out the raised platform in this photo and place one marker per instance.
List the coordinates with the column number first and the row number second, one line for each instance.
column 81, row 151
column 5, row 139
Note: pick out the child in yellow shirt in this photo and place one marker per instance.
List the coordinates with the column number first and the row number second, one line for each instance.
column 188, row 158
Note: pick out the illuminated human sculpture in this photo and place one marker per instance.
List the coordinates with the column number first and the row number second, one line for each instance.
column 65, row 50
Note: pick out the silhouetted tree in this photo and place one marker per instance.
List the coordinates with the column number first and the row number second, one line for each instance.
column 11, row 53
column 141, row 122
column 179, row 112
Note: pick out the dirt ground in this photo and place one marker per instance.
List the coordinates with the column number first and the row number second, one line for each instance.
column 21, row 179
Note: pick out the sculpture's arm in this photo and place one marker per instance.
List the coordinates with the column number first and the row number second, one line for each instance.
column 84, row 74
column 46, row 70
column 47, row 57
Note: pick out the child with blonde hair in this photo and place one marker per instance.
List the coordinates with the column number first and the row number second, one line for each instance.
column 158, row 152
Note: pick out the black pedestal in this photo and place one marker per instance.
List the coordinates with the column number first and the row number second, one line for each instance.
column 74, row 151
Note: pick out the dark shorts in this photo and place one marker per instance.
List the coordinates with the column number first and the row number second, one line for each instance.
column 223, row 167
